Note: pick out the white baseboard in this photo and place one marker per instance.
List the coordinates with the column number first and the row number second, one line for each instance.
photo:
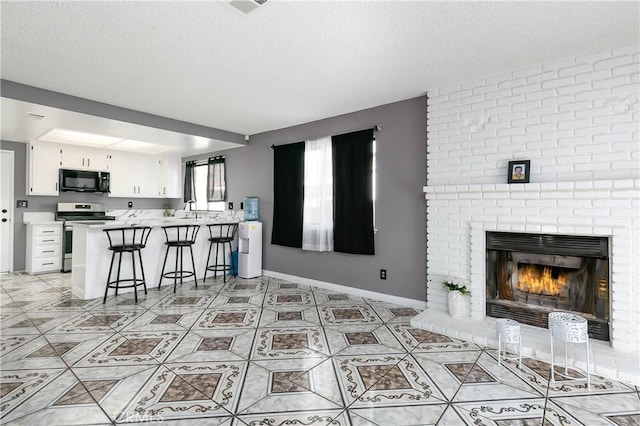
column 403, row 301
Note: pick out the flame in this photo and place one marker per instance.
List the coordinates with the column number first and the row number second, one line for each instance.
column 533, row 279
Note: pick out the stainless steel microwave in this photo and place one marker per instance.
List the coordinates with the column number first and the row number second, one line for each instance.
column 84, row 181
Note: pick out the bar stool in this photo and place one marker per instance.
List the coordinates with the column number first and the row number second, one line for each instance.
column 179, row 236
column 220, row 234
column 569, row 328
column 132, row 240
column 508, row 332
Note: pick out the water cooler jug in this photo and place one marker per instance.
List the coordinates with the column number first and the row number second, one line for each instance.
column 251, row 209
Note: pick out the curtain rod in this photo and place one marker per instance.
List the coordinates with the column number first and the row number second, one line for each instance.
column 376, row 128
column 205, row 160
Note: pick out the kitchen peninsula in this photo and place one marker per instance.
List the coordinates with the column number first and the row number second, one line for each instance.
column 92, row 257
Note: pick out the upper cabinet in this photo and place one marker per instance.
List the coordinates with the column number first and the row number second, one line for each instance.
column 171, row 176
column 44, row 160
column 83, row 158
column 133, row 175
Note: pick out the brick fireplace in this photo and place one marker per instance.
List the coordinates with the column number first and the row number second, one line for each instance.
column 576, row 120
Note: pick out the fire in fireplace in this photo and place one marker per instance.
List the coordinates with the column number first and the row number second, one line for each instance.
column 530, row 275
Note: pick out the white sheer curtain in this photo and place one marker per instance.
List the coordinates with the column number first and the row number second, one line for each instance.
column 317, row 227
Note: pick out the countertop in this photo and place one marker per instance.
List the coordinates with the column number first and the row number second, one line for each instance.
column 152, row 222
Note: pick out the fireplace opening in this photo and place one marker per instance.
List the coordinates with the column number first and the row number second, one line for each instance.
column 530, row 275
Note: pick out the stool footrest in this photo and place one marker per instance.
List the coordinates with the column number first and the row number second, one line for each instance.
column 117, row 284
column 178, row 274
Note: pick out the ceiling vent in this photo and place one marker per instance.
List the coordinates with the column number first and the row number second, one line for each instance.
column 246, row 6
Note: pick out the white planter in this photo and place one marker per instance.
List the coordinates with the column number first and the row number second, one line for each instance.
column 459, row 305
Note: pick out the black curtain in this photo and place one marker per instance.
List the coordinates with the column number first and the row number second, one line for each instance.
column 189, row 192
column 288, row 194
column 353, row 192
column 216, row 179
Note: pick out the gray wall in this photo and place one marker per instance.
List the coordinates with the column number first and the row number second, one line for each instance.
column 38, row 203
column 400, row 206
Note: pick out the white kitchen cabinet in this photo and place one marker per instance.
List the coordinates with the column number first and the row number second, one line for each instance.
column 134, row 175
column 171, row 181
column 83, row 158
column 43, row 165
column 44, row 248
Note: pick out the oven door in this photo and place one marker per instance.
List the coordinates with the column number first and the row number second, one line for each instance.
column 68, row 248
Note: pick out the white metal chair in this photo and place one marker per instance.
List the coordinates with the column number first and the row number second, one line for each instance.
column 569, row 328
column 508, row 332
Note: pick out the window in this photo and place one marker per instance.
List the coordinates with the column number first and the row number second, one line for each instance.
column 208, row 183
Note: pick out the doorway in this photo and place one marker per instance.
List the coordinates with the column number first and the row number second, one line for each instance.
column 6, row 211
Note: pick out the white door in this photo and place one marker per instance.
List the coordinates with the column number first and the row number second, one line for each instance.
column 6, row 211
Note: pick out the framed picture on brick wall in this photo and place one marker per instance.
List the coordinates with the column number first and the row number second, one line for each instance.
column 518, row 171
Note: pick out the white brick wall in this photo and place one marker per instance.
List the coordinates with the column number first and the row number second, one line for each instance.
column 577, row 120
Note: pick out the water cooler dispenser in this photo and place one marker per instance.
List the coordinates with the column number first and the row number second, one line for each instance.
column 250, row 249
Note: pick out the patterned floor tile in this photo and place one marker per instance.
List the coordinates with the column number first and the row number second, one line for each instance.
column 63, row 397
column 385, row 380
column 165, row 319
column 18, row 386
column 278, row 284
column 290, row 385
column 220, row 318
column 196, row 300
column 289, row 298
column 290, row 316
column 314, row 418
column 394, row 313
column 237, row 301
column 362, row 339
column 94, row 322
column 413, row 415
column 245, row 286
column 418, row 340
column 523, row 412
column 10, row 342
column 23, row 324
column 133, row 348
column 598, row 408
column 214, row 345
column 289, row 342
column 348, row 315
column 178, row 391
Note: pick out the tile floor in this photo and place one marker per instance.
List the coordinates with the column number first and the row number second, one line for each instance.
column 264, row 352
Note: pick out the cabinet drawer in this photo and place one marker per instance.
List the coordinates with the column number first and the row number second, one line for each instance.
column 47, row 264
column 44, row 251
column 47, row 231
column 47, row 240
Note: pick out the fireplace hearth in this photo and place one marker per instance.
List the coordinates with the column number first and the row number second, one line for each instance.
column 530, row 275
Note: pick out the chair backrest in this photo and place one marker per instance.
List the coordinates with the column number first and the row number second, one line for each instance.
column 223, row 230
column 182, row 233
column 128, row 236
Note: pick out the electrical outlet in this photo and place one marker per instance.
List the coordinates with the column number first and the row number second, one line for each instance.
column 22, row 204
column 230, row 205
column 130, row 204
column 383, row 274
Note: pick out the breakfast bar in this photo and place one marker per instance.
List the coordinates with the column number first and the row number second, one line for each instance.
column 92, row 257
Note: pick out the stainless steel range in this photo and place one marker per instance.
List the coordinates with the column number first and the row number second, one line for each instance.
column 73, row 213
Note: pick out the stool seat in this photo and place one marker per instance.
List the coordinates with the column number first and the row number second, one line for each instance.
column 179, row 237
column 569, row 328
column 508, row 332
column 131, row 239
column 220, row 234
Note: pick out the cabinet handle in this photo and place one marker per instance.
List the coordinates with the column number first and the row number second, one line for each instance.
column 48, row 241
column 138, row 190
column 48, row 232
column 164, row 190
column 56, row 186
column 48, row 263
column 134, row 189
column 83, row 162
column 88, row 162
column 48, row 251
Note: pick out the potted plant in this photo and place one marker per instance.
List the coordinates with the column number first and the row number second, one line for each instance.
column 458, row 300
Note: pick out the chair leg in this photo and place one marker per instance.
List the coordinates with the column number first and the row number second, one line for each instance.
column 206, row 265
column 520, row 353
column 118, row 275
column 193, row 265
column 135, row 282
column 175, row 273
column 144, row 279
column 231, row 259
column 553, row 379
column 106, row 290
column 181, row 265
column 566, row 363
column 499, row 349
column 215, row 269
column 588, row 366
column 224, row 264
column 164, row 264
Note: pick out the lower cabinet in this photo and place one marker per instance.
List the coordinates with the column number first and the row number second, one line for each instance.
column 44, row 248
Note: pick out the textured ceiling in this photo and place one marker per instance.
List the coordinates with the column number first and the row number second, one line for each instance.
column 288, row 63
